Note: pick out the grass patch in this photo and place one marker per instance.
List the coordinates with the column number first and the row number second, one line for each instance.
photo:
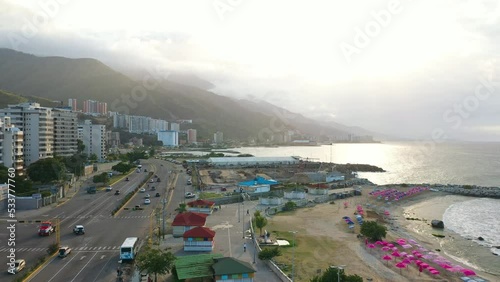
column 209, row 195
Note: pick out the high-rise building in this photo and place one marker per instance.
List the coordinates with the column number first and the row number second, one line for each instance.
column 95, row 107
column 218, row 137
column 191, row 136
column 37, row 124
column 12, row 146
column 65, row 132
column 93, row 137
column 72, row 104
column 175, row 126
column 169, row 138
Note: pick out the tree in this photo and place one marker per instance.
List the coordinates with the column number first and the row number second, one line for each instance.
column 101, row 178
column 79, row 146
column 155, row 261
column 260, row 222
column 332, row 274
column 269, row 253
column 290, row 206
column 47, row 170
column 373, row 230
column 24, row 187
column 122, row 167
column 93, row 158
column 182, row 208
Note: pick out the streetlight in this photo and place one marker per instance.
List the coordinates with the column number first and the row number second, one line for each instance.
column 293, row 257
column 339, row 268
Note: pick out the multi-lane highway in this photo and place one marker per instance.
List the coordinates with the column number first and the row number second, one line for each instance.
column 94, row 255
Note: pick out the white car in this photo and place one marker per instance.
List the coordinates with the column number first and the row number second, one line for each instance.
column 147, row 201
column 142, row 190
column 147, row 196
column 189, row 195
column 151, row 181
column 19, row 265
column 109, row 188
column 64, row 252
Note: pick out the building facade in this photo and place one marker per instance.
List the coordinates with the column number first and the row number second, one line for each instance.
column 72, row 104
column 65, row 132
column 191, row 136
column 12, row 146
column 218, row 137
column 169, row 138
column 94, row 139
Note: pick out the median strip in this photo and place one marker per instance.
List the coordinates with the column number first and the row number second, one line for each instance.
column 130, row 195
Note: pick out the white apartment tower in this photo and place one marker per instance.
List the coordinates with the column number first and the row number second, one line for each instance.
column 37, row 125
column 218, row 137
column 65, row 132
column 94, row 139
column 12, row 149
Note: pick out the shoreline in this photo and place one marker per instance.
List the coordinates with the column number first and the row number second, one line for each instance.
column 428, row 206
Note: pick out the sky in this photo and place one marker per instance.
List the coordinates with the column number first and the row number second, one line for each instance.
column 418, row 69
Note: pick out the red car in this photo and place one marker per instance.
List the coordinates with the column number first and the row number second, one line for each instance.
column 46, row 228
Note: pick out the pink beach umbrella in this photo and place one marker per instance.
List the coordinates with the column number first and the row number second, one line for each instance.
column 385, row 248
column 424, row 265
column 390, row 245
column 434, row 272
column 406, row 261
column 385, row 243
column 396, row 254
column 406, row 246
column 379, row 243
column 418, row 262
column 371, row 246
column 394, row 248
column 400, row 265
column 468, row 272
column 387, row 258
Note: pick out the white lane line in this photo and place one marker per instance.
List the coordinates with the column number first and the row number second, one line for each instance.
column 84, row 267
column 229, row 239
column 102, row 268
column 83, row 257
column 59, row 269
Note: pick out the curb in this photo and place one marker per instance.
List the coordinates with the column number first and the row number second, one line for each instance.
column 135, row 192
column 40, row 267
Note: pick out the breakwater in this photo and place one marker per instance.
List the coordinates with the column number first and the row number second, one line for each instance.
column 470, row 190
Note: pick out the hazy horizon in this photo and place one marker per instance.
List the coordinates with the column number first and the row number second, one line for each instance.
column 403, row 68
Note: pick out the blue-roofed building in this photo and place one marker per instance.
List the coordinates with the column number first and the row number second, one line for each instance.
column 257, row 185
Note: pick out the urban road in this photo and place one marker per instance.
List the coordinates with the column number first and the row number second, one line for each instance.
column 95, row 255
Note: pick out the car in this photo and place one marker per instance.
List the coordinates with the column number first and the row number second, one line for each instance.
column 156, row 175
column 158, row 180
column 189, row 182
column 189, row 195
column 138, row 208
column 145, row 170
column 117, row 192
column 46, row 228
column 64, row 252
column 109, row 188
column 17, row 266
column 151, row 181
column 142, row 190
column 79, row 230
column 126, row 179
column 147, row 196
column 157, row 195
column 147, row 201
column 153, row 188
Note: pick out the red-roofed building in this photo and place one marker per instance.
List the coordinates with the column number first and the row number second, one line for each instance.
column 199, row 239
column 201, row 206
column 186, row 221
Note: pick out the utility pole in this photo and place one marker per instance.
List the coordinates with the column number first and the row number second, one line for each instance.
column 164, row 211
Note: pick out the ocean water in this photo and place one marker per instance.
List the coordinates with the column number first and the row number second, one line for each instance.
column 476, row 218
column 406, row 162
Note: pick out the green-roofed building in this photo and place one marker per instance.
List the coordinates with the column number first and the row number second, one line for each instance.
column 212, row 267
column 229, row 269
column 195, row 267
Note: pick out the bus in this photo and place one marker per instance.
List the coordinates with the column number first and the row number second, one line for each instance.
column 129, row 248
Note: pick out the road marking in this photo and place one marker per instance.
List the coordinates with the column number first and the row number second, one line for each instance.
column 84, row 267
column 103, row 256
column 85, row 248
column 102, row 268
column 100, row 248
column 83, row 257
column 60, row 268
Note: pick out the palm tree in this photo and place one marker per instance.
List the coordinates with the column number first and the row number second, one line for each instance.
column 260, row 222
column 182, row 208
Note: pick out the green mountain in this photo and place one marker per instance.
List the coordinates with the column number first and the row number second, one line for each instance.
column 7, row 98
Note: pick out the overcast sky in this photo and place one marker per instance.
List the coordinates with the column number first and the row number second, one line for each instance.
column 406, row 68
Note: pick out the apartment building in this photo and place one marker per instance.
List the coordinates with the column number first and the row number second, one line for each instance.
column 37, row 125
column 94, row 139
column 11, row 146
column 65, row 131
column 191, row 136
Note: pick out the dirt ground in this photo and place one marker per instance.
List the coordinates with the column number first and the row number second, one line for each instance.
column 324, row 239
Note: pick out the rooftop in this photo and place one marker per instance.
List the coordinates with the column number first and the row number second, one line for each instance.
column 195, row 266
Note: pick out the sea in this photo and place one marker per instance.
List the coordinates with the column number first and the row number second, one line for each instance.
column 465, row 218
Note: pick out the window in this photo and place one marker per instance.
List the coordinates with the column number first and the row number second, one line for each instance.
column 224, row 277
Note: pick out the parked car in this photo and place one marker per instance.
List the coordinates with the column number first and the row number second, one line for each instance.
column 142, row 190
column 147, row 201
column 79, row 230
column 126, row 179
column 117, row 192
column 147, row 196
column 189, row 195
column 157, row 195
column 64, row 252
column 109, row 188
column 19, row 264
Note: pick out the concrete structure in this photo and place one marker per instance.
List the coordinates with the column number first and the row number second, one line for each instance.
column 65, row 131
column 37, row 124
column 318, row 190
column 271, row 201
column 252, row 161
column 175, row 127
column 72, row 104
column 199, row 239
column 169, row 138
column 218, row 137
column 12, row 146
column 186, row 221
column 334, row 176
column 201, row 206
column 262, row 188
column 293, row 195
column 229, row 269
column 113, row 139
column 94, row 139
column 191, row 136
column 95, row 107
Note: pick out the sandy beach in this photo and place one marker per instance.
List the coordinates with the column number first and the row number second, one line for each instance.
column 324, row 239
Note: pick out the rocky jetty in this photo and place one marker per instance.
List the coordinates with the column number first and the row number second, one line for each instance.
column 470, row 190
